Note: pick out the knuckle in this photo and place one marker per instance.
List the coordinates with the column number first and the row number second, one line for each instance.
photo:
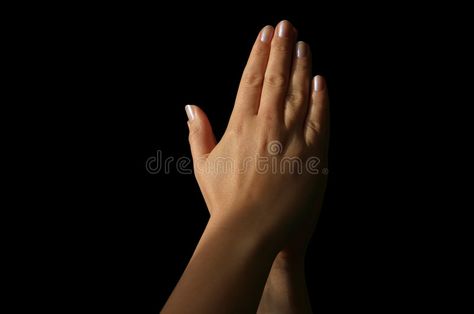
column 193, row 132
column 275, row 80
column 260, row 50
column 303, row 65
column 269, row 121
column 313, row 126
column 295, row 97
column 235, row 129
column 268, row 117
column 282, row 48
column 252, row 79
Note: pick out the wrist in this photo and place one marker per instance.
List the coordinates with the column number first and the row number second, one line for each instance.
column 285, row 290
column 229, row 268
column 247, row 232
column 285, row 261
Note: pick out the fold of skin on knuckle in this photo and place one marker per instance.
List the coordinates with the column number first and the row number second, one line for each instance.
column 194, row 130
column 295, row 98
column 239, row 125
column 235, row 131
column 268, row 121
column 314, row 127
column 277, row 80
column 260, row 50
column 293, row 115
column 303, row 65
column 282, row 47
column 252, row 79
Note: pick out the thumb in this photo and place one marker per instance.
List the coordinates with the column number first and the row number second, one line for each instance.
column 201, row 137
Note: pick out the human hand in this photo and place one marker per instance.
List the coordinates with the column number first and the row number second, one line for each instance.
column 260, row 185
column 279, row 121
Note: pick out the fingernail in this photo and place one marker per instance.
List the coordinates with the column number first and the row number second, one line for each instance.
column 318, row 83
column 301, row 50
column 190, row 112
column 266, row 34
column 284, row 29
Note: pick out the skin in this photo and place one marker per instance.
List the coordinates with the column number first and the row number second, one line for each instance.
column 251, row 255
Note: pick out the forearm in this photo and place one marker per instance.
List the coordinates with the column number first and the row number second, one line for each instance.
column 226, row 274
column 285, row 291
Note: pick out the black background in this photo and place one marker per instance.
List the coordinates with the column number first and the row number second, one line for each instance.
column 129, row 72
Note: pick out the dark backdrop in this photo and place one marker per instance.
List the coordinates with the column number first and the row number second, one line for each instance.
column 134, row 71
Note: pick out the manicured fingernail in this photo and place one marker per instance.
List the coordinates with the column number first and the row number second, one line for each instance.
column 301, row 49
column 318, row 83
column 266, row 34
column 284, row 29
column 190, row 112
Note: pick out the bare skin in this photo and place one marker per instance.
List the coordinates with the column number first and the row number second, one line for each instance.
column 251, row 255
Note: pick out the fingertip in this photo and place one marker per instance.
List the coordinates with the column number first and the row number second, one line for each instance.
column 190, row 112
column 266, row 34
column 285, row 29
column 302, row 49
column 319, row 84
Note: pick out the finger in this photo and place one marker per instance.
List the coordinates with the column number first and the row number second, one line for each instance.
column 278, row 71
column 297, row 97
column 201, row 137
column 250, row 88
column 317, row 119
